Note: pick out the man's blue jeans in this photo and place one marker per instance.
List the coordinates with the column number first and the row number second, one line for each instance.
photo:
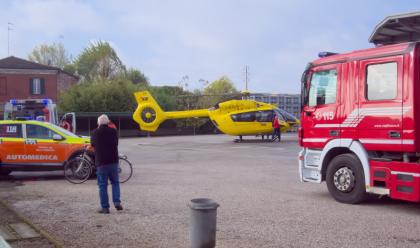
column 103, row 173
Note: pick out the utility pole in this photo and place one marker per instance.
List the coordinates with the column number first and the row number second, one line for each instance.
column 9, row 28
column 204, row 83
column 246, row 77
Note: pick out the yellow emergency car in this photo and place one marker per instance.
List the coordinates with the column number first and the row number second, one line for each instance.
column 36, row 146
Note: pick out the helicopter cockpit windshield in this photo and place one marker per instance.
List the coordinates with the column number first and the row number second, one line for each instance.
column 286, row 116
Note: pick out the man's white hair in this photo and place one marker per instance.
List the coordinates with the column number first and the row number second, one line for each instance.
column 103, row 120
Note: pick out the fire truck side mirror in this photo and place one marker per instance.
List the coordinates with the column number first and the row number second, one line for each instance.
column 308, row 111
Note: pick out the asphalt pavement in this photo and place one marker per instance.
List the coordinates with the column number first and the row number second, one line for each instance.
column 262, row 202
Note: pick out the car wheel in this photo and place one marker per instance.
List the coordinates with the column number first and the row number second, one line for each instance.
column 345, row 179
column 4, row 172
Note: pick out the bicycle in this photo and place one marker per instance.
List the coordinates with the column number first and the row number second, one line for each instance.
column 82, row 167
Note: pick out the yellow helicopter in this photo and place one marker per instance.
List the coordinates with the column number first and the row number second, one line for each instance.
column 233, row 117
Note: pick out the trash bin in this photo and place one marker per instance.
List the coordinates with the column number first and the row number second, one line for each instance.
column 203, row 222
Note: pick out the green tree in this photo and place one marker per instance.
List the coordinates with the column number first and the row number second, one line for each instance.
column 99, row 60
column 52, row 55
column 136, row 77
column 70, row 68
column 100, row 95
column 167, row 96
column 218, row 91
column 221, row 86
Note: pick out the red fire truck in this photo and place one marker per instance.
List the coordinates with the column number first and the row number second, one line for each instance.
column 360, row 120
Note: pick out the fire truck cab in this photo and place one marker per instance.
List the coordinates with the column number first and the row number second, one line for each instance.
column 360, row 119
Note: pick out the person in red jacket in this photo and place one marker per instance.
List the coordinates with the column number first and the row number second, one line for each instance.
column 112, row 125
column 276, row 127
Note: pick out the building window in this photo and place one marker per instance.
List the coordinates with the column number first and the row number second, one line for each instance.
column 37, row 86
column 381, row 81
column 3, row 87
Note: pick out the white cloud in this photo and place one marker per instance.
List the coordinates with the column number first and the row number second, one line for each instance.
column 53, row 17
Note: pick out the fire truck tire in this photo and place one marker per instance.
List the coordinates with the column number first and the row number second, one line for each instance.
column 345, row 179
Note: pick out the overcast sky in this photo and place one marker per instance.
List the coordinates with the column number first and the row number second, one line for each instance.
column 204, row 39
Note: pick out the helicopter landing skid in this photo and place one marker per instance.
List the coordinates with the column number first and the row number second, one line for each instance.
column 262, row 140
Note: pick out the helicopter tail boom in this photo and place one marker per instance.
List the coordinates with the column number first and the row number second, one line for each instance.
column 149, row 115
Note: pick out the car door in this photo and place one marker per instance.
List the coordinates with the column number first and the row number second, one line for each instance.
column 11, row 144
column 41, row 148
column 321, row 109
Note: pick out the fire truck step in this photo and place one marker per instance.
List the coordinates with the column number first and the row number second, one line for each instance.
column 378, row 190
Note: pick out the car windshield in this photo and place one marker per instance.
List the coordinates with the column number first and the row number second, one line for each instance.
column 62, row 130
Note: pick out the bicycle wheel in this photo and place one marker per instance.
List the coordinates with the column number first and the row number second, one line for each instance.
column 77, row 170
column 125, row 170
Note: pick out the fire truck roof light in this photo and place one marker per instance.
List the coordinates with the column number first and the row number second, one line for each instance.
column 46, row 101
column 326, row 54
column 13, row 102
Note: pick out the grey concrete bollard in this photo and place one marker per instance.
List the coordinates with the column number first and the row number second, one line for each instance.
column 203, row 222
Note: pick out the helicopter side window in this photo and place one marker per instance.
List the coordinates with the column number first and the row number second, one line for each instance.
column 244, row 117
column 264, row 116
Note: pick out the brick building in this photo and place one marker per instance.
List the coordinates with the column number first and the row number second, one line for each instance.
column 22, row 79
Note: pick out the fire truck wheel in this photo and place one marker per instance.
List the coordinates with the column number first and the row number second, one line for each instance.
column 4, row 172
column 345, row 179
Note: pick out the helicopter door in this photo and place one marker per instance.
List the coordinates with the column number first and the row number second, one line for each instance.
column 265, row 118
column 249, row 123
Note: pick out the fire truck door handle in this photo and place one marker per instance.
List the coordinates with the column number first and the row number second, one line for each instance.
column 394, row 134
column 333, row 132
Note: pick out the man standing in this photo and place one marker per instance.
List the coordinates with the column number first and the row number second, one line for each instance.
column 105, row 142
column 276, row 127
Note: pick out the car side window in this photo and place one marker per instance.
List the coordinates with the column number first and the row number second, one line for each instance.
column 38, row 132
column 11, row 130
column 323, row 88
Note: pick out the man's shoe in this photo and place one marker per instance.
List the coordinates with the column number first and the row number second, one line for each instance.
column 103, row 211
column 118, row 207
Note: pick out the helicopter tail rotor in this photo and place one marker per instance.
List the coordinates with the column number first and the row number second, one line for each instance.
column 148, row 113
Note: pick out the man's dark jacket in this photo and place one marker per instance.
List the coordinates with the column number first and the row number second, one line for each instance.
column 105, row 141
